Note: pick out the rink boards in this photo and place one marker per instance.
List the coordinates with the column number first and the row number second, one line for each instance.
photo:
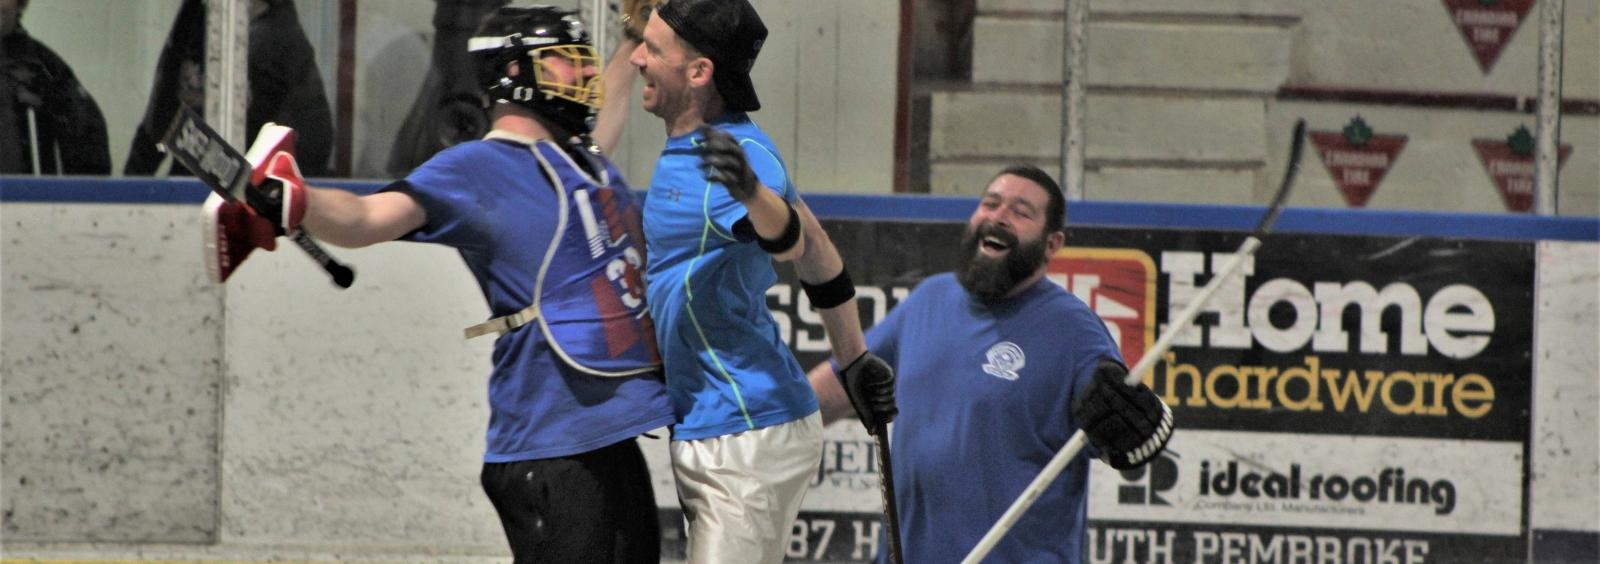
column 145, row 405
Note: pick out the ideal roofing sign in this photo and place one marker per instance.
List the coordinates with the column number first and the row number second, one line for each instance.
column 1337, row 482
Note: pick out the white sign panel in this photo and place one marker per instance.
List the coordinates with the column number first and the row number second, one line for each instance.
column 1321, row 481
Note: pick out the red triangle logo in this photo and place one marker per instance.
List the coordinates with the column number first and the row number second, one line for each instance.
column 1511, row 172
column 1487, row 25
column 1357, row 170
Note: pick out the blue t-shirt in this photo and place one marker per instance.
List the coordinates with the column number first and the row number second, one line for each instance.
column 491, row 202
column 985, row 395
column 728, row 370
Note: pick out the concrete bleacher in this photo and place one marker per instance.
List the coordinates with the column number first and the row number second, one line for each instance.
column 1192, row 101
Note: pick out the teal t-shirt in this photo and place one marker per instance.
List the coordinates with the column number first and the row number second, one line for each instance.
column 728, row 369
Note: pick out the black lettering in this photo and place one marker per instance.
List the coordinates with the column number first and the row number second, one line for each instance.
column 1276, row 486
column 1337, row 488
column 1417, row 491
column 1364, row 489
column 1444, row 497
column 1294, row 481
column 1247, row 485
column 1228, row 481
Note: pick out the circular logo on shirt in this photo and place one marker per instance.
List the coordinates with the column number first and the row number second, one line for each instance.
column 1004, row 360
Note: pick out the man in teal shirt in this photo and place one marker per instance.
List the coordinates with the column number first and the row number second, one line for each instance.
column 721, row 208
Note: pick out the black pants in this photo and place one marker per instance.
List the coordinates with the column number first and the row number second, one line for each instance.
column 594, row 507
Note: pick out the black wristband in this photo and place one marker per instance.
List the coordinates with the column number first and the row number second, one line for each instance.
column 830, row 294
column 786, row 241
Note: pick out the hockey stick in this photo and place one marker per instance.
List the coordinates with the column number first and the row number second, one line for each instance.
column 33, row 140
column 200, row 149
column 891, row 513
column 1175, row 326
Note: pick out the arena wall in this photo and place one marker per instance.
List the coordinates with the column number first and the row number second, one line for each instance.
column 148, row 413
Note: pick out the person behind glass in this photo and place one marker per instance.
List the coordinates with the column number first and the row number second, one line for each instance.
column 997, row 368
column 720, row 209
column 542, row 218
column 49, row 124
column 285, row 86
column 446, row 109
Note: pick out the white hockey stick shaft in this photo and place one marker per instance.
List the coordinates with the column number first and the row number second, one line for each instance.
column 1174, row 326
column 33, row 143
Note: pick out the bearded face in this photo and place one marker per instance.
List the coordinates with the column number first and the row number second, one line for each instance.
column 993, row 261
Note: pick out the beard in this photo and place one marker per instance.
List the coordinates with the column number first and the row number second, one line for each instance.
column 990, row 279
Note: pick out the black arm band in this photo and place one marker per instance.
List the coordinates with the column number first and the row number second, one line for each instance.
column 786, row 241
column 830, row 294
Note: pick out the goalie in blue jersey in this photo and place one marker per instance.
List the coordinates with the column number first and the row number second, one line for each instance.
column 552, row 234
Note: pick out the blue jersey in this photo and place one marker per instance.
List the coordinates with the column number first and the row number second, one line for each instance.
column 728, row 370
column 493, row 202
column 985, row 395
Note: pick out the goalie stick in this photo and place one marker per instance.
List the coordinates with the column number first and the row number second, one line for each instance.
column 200, row 149
column 1175, row 326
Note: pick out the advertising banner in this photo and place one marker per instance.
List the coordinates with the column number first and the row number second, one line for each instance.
column 1353, row 398
column 1342, row 335
column 1321, row 481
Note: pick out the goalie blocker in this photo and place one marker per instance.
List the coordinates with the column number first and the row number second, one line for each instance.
column 233, row 229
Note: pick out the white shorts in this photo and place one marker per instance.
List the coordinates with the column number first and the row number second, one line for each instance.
column 742, row 492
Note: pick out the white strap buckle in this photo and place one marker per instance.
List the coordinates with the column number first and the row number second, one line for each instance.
column 503, row 325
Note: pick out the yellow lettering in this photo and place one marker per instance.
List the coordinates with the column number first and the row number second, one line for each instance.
column 1232, row 386
column 1440, row 381
column 1473, row 396
column 1217, row 374
column 1175, row 371
column 1313, row 399
column 1409, row 379
column 1352, row 388
column 1264, row 375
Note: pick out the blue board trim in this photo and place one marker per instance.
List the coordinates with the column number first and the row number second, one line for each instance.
column 90, row 190
column 1396, row 223
column 1393, row 223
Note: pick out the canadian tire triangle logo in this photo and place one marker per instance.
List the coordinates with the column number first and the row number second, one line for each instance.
column 1487, row 25
column 1510, row 165
column 1357, row 158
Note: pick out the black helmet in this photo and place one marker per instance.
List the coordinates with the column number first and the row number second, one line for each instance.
column 525, row 35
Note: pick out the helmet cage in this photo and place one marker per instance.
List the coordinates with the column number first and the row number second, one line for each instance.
column 588, row 91
column 527, row 37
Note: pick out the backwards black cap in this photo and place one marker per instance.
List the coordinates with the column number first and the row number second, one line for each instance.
column 730, row 33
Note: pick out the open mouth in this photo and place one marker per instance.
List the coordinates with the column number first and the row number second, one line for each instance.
column 648, row 84
column 992, row 245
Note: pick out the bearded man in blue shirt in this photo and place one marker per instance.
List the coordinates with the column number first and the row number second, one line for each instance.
column 997, row 367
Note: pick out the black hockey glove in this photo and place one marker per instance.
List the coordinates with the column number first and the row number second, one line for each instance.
column 869, row 383
column 1129, row 424
column 723, row 162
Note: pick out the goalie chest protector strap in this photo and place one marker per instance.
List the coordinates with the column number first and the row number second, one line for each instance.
column 589, row 293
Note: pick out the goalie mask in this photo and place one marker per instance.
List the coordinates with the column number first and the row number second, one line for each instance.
column 557, row 74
